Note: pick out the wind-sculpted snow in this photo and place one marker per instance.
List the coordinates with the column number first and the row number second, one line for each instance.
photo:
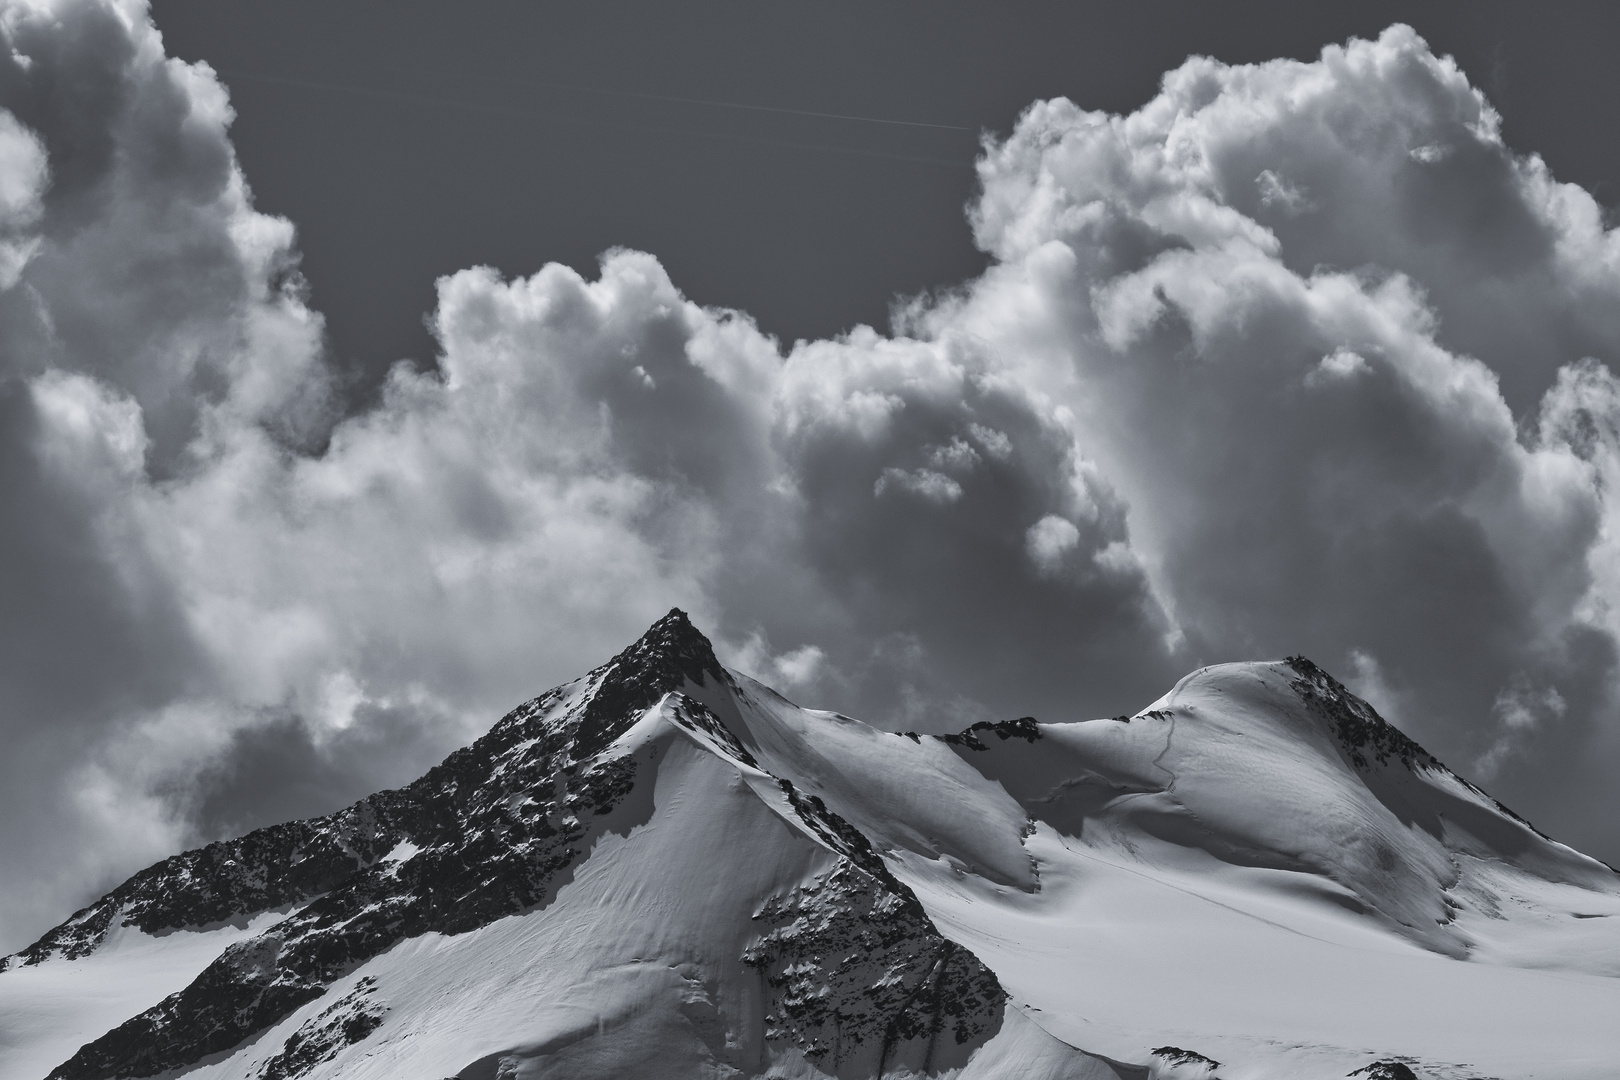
column 664, row 870
column 695, row 716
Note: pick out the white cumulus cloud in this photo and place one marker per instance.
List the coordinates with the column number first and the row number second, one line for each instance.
column 1049, row 540
column 1160, row 430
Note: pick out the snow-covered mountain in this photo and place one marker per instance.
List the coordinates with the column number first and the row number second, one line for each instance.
column 666, row 870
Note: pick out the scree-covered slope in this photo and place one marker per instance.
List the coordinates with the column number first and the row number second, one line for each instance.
column 665, row 869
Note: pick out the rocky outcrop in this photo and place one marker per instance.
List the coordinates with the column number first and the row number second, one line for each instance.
column 348, row 1021
column 1024, row 728
column 858, row 979
column 493, row 830
column 1360, row 730
column 1386, row 1070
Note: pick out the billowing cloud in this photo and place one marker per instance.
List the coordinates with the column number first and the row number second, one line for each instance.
column 1345, row 358
column 1297, row 357
column 23, row 174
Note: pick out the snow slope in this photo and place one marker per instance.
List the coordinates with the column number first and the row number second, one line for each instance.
column 667, row 870
column 48, row 1010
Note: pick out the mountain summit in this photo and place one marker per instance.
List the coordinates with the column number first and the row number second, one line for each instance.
column 665, row 869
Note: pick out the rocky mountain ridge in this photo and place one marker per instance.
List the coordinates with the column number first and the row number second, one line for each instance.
column 876, row 884
column 491, row 832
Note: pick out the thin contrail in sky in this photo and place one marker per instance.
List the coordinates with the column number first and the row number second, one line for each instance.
column 499, row 110
column 731, row 104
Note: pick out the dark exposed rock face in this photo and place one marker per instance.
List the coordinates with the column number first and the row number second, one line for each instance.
column 695, row 716
column 1359, row 728
column 353, row 1017
column 1024, row 728
column 1386, row 1070
column 291, row 863
column 1361, row 731
column 668, row 655
column 1175, row 1055
column 496, row 829
column 266, row 869
column 851, row 843
column 854, row 968
column 855, row 972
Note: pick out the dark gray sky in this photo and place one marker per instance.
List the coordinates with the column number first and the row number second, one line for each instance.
column 1298, row 347
column 418, row 142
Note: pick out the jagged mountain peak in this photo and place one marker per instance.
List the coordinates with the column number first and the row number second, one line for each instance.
column 663, row 869
column 673, row 641
column 496, row 832
column 291, row 862
column 669, row 655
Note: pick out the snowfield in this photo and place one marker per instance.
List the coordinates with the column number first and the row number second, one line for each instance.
column 666, row 870
column 49, row 1010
